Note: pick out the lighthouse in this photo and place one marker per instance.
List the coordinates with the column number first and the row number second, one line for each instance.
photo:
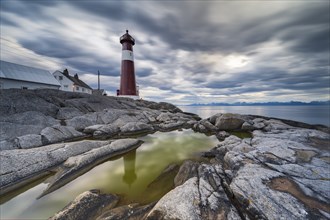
column 127, row 77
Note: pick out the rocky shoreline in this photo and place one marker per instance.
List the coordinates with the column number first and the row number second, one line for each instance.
column 279, row 169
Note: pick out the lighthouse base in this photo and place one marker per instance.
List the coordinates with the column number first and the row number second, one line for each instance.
column 135, row 97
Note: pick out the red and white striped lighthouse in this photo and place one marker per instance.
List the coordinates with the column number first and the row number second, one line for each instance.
column 127, row 77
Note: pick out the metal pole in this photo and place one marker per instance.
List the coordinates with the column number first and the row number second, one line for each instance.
column 98, row 77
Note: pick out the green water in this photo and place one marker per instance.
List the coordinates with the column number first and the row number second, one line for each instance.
column 128, row 176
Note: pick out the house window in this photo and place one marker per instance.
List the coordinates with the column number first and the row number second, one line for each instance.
column 23, row 87
column 77, row 88
column 66, row 86
column 83, row 89
column 60, row 77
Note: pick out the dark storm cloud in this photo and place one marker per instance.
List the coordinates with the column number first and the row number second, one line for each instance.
column 298, row 25
column 323, row 62
column 179, row 29
column 81, row 61
column 307, row 30
column 104, row 86
column 314, row 42
column 29, row 10
column 91, row 66
column 170, row 28
column 116, row 10
column 144, row 72
column 199, row 68
column 53, row 46
column 303, row 81
column 72, row 53
column 160, row 58
column 269, row 79
column 300, row 29
column 221, row 84
column 5, row 21
column 165, row 87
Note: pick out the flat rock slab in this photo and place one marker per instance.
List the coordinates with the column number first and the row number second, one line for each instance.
column 55, row 134
column 201, row 196
column 180, row 203
column 278, row 151
column 131, row 211
column 87, row 205
column 133, row 128
column 21, row 164
column 76, row 166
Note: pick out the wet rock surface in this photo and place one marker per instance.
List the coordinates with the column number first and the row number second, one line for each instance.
column 87, row 205
column 131, row 211
column 262, row 168
column 75, row 166
column 277, row 151
column 20, row 165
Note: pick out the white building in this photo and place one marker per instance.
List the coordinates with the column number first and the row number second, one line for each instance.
column 17, row 76
column 71, row 83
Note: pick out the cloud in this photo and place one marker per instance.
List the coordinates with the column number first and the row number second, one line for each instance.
column 145, row 72
column 51, row 46
column 185, row 52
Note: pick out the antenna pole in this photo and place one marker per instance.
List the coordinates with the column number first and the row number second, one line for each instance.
column 98, row 78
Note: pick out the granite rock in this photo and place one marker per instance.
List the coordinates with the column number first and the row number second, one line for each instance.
column 59, row 133
column 228, row 122
column 19, row 124
column 133, row 128
column 21, row 165
column 28, row 141
column 68, row 113
column 87, row 205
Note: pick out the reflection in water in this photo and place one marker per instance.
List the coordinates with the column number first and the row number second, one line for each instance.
column 129, row 168
column 129, row 177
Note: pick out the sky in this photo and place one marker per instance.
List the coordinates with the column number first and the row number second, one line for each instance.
column 186, row 51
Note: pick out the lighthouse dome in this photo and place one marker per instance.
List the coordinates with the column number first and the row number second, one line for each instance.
column 127, row 38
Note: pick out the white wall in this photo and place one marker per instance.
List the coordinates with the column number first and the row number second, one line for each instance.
column 82, row 89
column 66, row 84
column 16, row 84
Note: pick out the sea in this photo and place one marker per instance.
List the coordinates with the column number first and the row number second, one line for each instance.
column 311, row 114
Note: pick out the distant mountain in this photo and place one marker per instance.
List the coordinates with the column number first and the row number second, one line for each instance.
column 263, row 103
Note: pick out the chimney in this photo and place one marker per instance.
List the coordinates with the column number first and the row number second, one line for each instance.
column 66, row 72
column 76, row 76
